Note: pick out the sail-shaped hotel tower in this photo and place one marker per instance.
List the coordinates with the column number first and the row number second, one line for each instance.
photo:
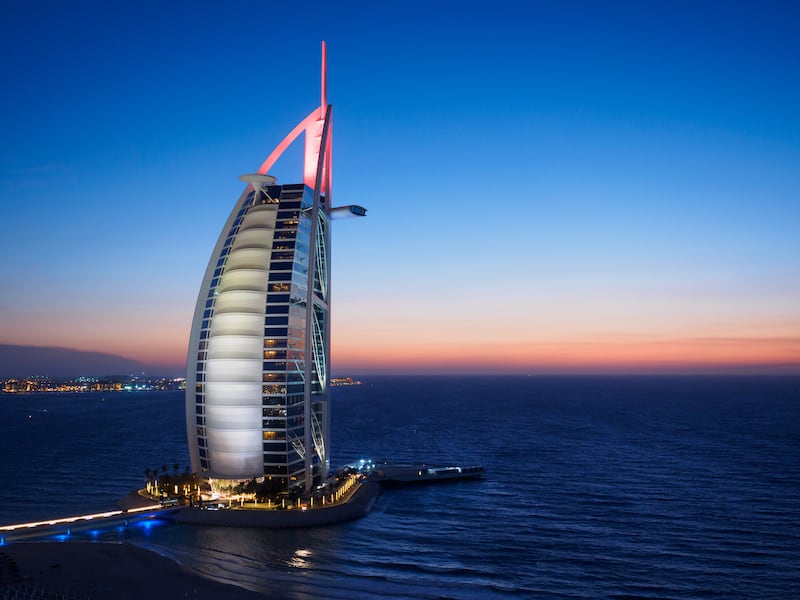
column 257, row 375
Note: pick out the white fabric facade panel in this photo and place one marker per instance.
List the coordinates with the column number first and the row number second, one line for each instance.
column 244, row 279
column 235, row 352
column 234, row 346
column 260, row 217
column 234, row 369
column 234, row 442
column 248, row 258
column 253, row 238
column 233, row 419
column 238, row 324
column 236, row 463
column 240, row 301
column 232, row 392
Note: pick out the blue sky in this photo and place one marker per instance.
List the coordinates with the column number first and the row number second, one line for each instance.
column 552, row 187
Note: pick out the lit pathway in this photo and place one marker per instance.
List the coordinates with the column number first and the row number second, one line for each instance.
column 79, row 519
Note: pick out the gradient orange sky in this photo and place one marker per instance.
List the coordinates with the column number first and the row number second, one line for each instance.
column 604, row 192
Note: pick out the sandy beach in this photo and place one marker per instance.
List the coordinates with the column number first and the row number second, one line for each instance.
column 89, row 570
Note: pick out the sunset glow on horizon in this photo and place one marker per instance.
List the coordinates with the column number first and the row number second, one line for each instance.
column 578, row 189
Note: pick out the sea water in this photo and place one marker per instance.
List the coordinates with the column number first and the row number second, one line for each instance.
column 596, row 487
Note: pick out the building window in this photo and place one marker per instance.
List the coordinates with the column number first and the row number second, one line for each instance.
column 275, row 447
column 274, row 389
column 276, row 470
column 277, row 298
column 274, row 377
column 274, row 366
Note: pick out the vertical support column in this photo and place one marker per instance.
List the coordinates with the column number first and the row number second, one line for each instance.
column 309, row 337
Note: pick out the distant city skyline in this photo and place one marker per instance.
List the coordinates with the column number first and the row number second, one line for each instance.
column 571, row 188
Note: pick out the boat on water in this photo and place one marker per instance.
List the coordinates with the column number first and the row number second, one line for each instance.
column 390, row 473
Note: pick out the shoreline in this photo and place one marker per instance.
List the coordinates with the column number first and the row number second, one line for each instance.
column 106, row 570
column 85, row 570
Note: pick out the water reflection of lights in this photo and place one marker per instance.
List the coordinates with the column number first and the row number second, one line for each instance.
column 115, row 530
column 298, row 559
column 148, row 525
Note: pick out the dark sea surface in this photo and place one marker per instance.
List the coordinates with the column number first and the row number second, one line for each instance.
column 597, row 487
